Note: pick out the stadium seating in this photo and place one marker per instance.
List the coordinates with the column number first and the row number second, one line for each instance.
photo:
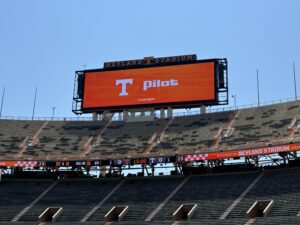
column 15, row 195
column 263, row 124
column 133, row 136
column 141, row 195
column 282, row 220
column 281, row 186
column 193, row 132
column 13, row 133
column 76, row 197
column 213, row 194
column 253, row 127
column 65, row 138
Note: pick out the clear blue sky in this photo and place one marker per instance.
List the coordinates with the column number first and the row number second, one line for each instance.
column 42, row 43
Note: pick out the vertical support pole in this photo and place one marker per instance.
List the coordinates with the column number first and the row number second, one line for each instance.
column 202, row 109
column 2, row 100
column 170, row 112
column 34, row 101
column 295, row 83
column 95, row 116
column 162, row 113
column 257, row 81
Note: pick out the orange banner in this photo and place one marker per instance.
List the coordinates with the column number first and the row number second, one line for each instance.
column 243, row 153
column 19, row 163
column 153, row 85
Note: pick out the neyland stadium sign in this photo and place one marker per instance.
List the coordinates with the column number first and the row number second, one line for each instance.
column 243, row 153
column 148, row 61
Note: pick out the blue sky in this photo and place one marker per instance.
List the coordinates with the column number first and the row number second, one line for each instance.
column 42, row 44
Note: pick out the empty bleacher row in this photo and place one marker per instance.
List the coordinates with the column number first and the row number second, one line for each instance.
column 124, row 136
column 64, row 137
column 14, row 132
column 193, row 132
column 213, row 194
column 227, row 130
column 283, row 188
column 263, row 124
column 15, row 195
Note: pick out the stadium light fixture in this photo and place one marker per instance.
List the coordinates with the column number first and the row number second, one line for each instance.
column 234, row 97
column 295, row 84
column 34, row 101
column 2, row 101
column 53, row 111
column 257, row 82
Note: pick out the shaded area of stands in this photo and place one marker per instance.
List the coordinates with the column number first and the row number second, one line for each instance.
column 288, row 220
column 280, row 220
column 76, row 197
column 281, row 186
column 141, row 195
column 213, row 194
column 16, row 195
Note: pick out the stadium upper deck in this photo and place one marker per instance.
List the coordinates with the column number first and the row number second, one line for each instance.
column 223, row 131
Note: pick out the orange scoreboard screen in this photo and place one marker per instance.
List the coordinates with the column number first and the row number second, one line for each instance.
column 160, row 85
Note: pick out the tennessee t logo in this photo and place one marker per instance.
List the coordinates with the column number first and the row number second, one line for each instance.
column 124, row 83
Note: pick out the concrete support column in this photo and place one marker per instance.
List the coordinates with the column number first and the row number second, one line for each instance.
column 132, row 114
column 103, row 171
column 170, row 112
column 106, row 116
column 203, row 109
column 152, row 113
column 125, row 115
column 95, row 116
column 162, row 113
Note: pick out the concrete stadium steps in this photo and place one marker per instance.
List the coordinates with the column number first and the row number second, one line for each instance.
column 278, row 220
column 261, row 221
column 142, row 196
column 263, row 124
column 13, row 132
column 213, row 222
column 48, row 223
column 281, row 186
column 16, row 195
column 76, row 197
column 67, row 137
column 193, row 132
column 140, row 223
column 126, row 136
column 213, row 194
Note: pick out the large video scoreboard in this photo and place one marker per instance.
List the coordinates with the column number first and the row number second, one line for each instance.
column 175, row 83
